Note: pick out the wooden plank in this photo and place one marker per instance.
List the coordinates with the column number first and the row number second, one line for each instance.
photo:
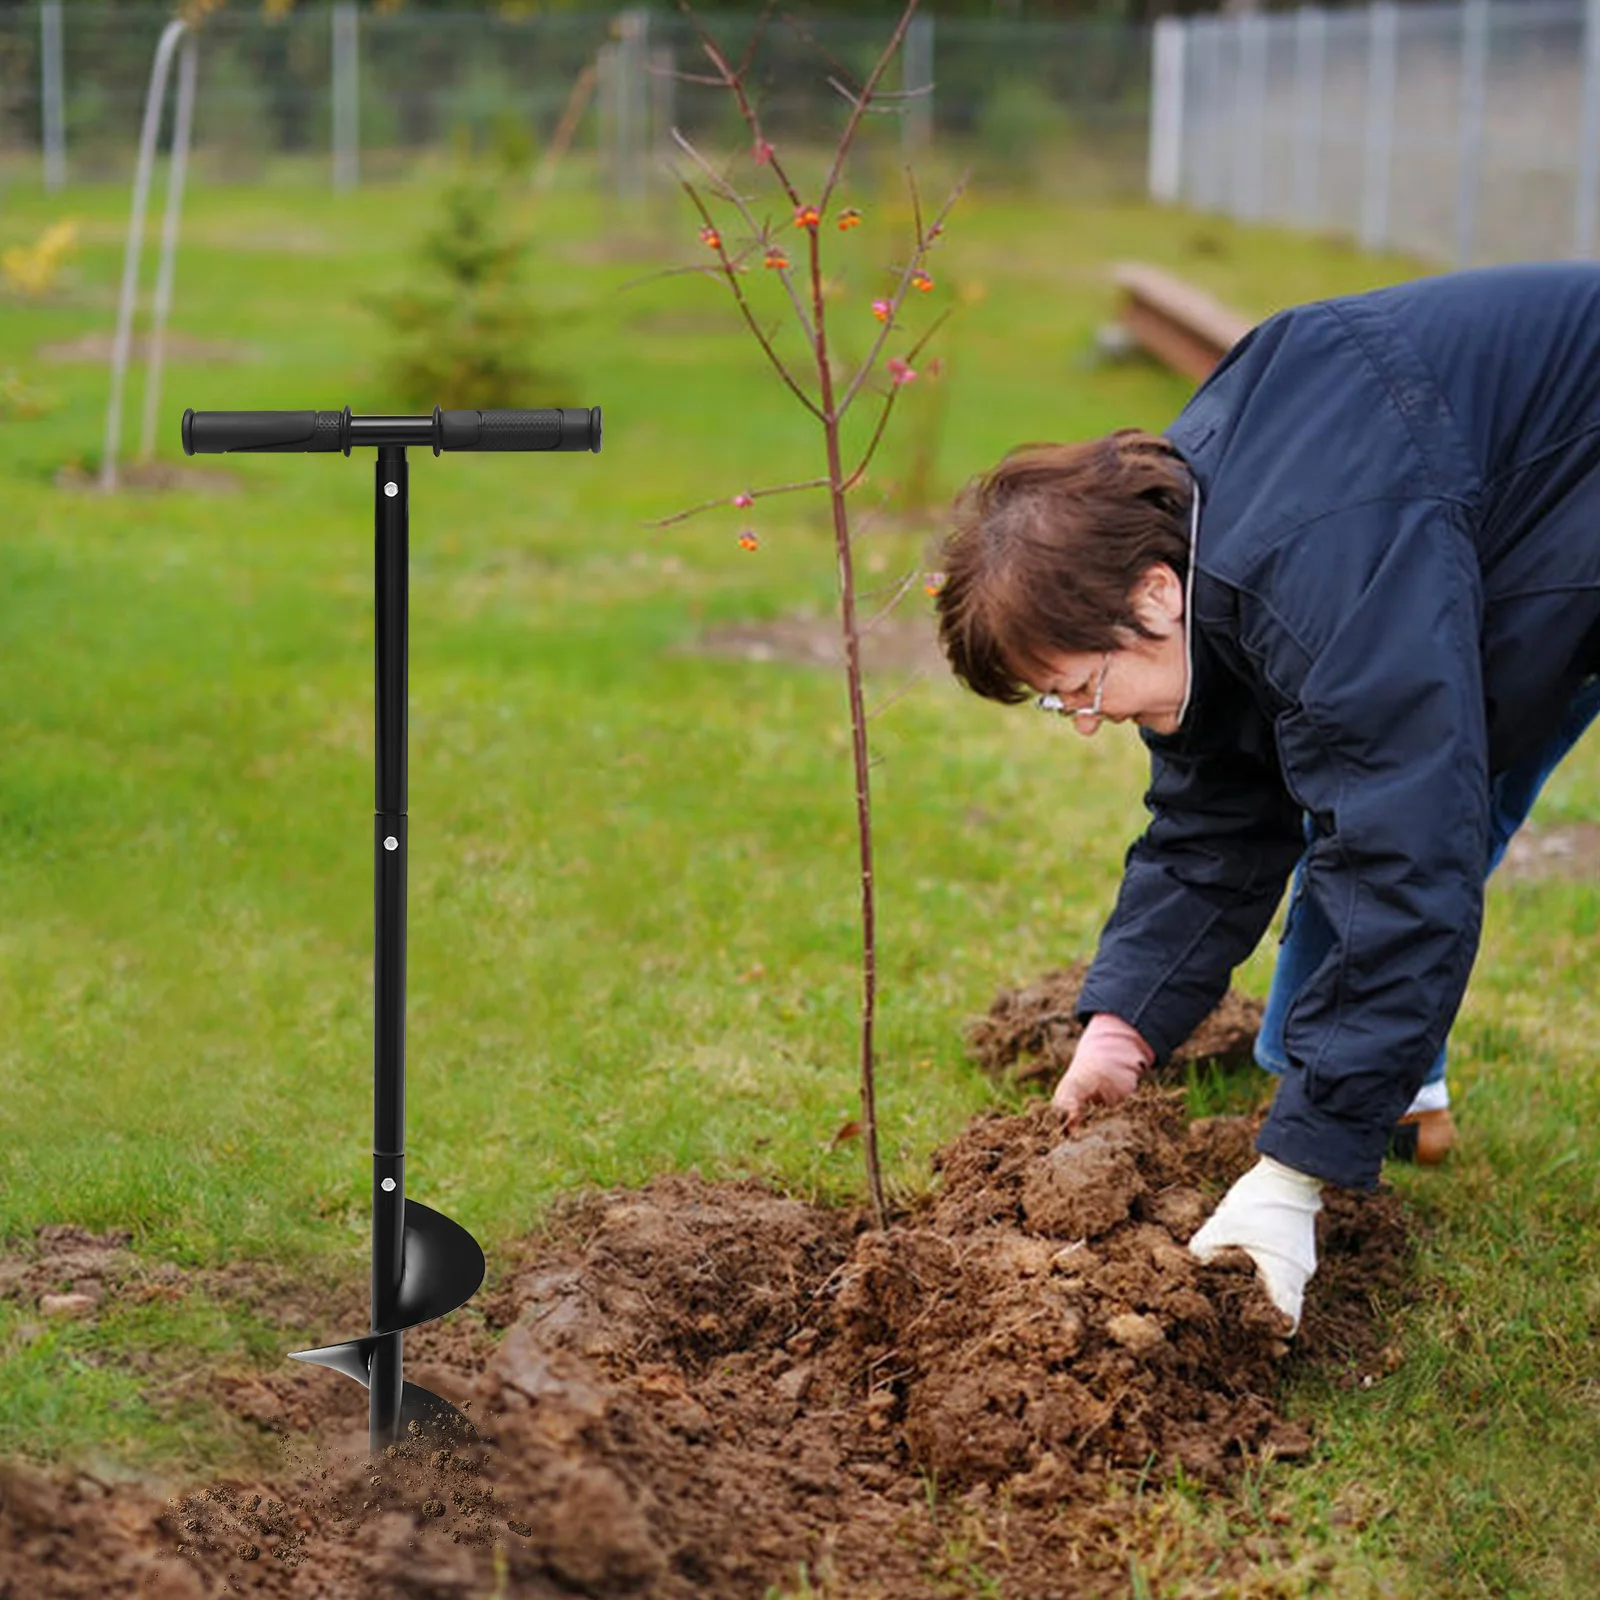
column 1178, row 323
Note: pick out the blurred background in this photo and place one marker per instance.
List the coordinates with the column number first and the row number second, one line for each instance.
column 1462, row 132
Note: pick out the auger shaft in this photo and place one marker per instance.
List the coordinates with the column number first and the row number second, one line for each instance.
column 391, row 558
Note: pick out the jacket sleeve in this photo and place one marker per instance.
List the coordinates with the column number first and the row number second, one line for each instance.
column 1200, row 886
column 1385, row 744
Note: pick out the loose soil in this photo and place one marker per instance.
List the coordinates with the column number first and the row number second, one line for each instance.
column 698, row 1389
column 1028, row 1034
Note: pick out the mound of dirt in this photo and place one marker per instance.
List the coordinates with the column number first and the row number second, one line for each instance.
column 713, row 1389
column 1028, row 1034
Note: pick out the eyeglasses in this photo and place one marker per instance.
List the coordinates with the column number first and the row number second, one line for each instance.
column 1054, row 703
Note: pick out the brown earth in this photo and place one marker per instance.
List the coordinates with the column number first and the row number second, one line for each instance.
column 1568, row 851
column 150, row 476
column 697, row 1389
column 901, row 641
column 1029, row 1033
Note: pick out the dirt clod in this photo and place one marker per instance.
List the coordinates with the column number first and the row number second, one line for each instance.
column 702, row 1389
column 1029, row 1033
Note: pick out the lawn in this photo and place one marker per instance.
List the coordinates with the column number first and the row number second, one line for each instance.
column 633, row 937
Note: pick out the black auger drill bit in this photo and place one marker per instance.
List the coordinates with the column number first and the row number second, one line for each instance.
column 423, row 1264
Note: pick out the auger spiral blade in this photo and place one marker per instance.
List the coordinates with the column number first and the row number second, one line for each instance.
column 443, row 1267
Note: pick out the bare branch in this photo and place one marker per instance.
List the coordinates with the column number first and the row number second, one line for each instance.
column 865, row 98
column 924, row 240
column 725, row 500
column 676, row 272
column 691, row 77
column 816, row 44
column 852, row 98
column 877, row 435
column 755, row 39
column 916, row 203
column 917, row 676
column 734, row 81
column 731, row 275
column 760, row 230
column 899, row 594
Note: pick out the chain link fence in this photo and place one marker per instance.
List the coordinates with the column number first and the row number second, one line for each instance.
column 1466, row 133
column 330, row 95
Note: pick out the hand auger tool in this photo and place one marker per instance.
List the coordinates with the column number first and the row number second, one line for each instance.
column 423, row 1264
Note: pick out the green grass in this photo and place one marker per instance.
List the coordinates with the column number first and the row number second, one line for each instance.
column 633, row 899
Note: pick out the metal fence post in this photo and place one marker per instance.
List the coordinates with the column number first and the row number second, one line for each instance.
column 1251, row 110
column 1382, row 40
column 346, row 102
column 630, row 105
column 52, row 96
column 1589, row 134
column 1310, row 43
column 177, row 169
column 1166, row 109
column 1474, row 71
column 916, row 78
column 605, row 67
column 663, row 101
column 1218, row 122
column 1233, row 32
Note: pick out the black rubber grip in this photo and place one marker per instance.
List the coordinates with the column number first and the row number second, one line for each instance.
column 575, row 428
column 216, row 432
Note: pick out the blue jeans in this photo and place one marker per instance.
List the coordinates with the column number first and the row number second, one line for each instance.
column 1307, row 937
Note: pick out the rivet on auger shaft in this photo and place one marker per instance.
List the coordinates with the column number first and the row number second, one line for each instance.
column 423, row 1264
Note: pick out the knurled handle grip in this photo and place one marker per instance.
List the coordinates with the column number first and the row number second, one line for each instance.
column 572, row 428
column 216, row 432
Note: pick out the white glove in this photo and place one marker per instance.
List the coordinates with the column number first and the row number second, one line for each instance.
column 1271, row 1214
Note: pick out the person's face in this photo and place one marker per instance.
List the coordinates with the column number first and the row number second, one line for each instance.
column 1142, row 681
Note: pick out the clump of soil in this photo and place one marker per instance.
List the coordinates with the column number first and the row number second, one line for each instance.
column 701, row 1388
column 1028, row 1034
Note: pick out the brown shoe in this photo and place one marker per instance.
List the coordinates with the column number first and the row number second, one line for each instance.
column 1424, row 1137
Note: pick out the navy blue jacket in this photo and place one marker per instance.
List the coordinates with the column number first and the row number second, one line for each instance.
column 1396, row 592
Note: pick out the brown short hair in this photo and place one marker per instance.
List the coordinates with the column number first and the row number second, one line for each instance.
column 1046, row 550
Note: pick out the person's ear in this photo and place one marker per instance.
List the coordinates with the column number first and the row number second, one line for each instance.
column 1158, row 598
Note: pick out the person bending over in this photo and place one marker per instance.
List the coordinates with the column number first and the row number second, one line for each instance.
column 1351, row 600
